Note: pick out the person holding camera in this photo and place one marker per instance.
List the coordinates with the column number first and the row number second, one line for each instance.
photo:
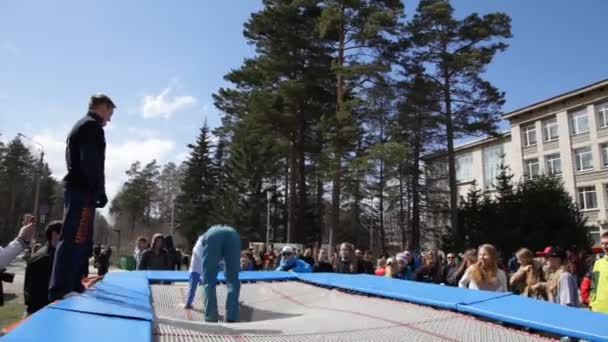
column 21, row 242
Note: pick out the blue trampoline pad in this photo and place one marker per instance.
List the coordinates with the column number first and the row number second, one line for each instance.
column 421, row 293
column 544, row 316
column 60, row 325
column 179, row 276
column 128, row 284
column 95, row 302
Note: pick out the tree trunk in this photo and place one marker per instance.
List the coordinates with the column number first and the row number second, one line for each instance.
column 291, row 221
column 337, row 181
column 415, row 233
column 319, row 205
column 304, row 230
column 286, row 213
column 381, row 196
column 451, row 161
column 401, row 207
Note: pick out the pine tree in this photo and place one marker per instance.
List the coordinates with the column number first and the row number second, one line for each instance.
column 416, row 128
column 504, row 181
column 455, row 53
column 17, row 188
column 282, row 92
column 194, row 201
column 359, row 31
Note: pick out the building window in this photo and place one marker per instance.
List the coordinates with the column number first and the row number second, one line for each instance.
column 532, row 168
column 550, row 129
column 594, row 235
column 604, row 148
column 602, row 113
column 492, row 156
column 530, row 135
column 580, row 122
column 587, row 198
column 584, row 159
column 464, row 168
column 554, row 165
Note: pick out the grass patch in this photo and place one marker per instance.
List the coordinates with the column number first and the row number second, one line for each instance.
column 11, row 312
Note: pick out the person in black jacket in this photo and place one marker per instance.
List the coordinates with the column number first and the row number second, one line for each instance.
column 38, row 271
column 84, row 191
column 366, row 262
column 349, row 262
column 174, row 257
column 323, row 264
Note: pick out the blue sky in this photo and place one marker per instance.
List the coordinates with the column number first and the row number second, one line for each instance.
column 162, row 60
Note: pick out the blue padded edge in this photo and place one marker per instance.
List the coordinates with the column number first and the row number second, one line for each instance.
column 420, row 293
column 60, row 325
column 544, row 316
column 121, row 294
column 243, row 276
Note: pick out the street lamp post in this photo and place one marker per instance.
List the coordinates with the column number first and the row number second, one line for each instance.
column 38, row 176
column 268, row 199
column 172, row 213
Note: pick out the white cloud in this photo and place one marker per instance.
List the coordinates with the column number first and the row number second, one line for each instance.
column 164, row 104
column 11, row 48
column 181, row 157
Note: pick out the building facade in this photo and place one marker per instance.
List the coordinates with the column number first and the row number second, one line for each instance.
column 564, row 136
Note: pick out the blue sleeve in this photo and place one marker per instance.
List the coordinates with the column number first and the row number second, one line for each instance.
column 195, row 278
column 302, row 267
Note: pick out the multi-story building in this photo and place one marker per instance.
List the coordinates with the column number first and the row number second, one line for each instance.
column 564, row 136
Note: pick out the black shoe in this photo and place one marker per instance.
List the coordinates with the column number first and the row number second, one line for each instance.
column 231, row 321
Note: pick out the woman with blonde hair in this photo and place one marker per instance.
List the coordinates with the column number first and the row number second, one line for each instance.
column 485, row 274
column 529, row 274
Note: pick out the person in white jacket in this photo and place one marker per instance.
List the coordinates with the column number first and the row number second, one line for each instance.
column 10, row 252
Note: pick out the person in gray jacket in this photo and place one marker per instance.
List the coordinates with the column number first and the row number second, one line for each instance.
column 10, row 252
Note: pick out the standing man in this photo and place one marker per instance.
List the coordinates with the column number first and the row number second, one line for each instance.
column 218, row 243
column 84, row 192
column 598, row 298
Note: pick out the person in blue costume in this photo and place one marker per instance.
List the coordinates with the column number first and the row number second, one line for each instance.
column 289, row 262
column 219, row 243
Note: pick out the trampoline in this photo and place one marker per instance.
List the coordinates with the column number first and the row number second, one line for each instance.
column 279, row 306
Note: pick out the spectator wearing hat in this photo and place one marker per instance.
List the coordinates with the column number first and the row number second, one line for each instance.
column 561, row 286
column 291, row 263
column 485, row 274
column 323, row 265
column 405, row 267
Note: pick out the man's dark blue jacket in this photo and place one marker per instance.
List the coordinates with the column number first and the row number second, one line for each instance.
column 85, row 156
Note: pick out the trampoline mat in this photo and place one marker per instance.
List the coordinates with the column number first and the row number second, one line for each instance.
column 294, row 311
